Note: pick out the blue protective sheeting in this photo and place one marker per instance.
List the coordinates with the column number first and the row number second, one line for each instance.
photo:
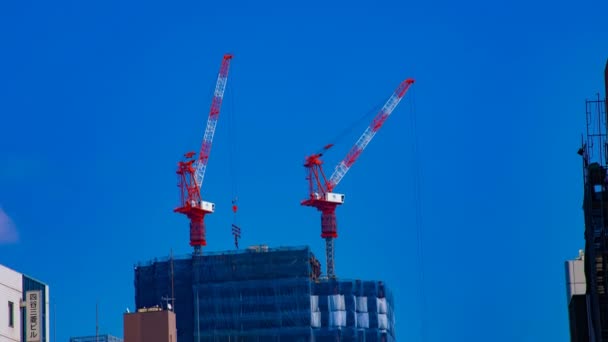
column 261, row 294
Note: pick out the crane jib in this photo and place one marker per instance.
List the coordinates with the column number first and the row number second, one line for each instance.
column 214, row 113
column 354, row 153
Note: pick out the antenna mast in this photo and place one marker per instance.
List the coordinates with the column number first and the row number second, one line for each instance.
column 97, row 322
column 172, row 283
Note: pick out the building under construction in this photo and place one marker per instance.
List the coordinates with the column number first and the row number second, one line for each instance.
column 594, row 308
column 264, row 294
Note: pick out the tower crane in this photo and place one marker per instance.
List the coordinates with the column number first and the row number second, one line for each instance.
column 191, row 171
column 321, row 195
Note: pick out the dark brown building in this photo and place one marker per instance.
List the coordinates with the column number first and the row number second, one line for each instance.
column 150, row 325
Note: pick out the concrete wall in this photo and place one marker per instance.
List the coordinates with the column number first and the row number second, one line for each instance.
column 575, row 278
column 10, row 290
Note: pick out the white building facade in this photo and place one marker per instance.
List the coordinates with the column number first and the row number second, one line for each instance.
column 24, row 308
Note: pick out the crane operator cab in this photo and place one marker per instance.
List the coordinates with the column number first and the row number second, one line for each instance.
column 206, row 206
column 334, row 197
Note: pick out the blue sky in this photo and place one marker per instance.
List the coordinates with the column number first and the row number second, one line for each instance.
column 100, row 99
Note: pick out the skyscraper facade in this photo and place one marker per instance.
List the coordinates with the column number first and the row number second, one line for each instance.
column 595, row 205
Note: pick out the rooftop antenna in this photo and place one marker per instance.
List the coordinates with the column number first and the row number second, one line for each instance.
column 172, row 283
column 167, row 300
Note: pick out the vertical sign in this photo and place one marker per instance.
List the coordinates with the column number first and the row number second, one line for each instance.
column 33, row 302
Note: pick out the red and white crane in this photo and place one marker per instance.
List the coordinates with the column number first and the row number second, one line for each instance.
column 191, row 171
column 321, row 195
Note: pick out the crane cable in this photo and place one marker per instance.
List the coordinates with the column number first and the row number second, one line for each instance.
column 236, row 230
column 354, row 125
column 418, row 216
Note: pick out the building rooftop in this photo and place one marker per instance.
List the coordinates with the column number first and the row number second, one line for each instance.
column 98, row 338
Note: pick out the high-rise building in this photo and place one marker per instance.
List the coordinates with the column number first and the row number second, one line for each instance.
column 264, row 294
column 24, row 308
column 595, row 206
column 150, row 325
column 98, row 338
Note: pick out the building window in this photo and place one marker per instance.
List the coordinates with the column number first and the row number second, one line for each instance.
column 11, row 314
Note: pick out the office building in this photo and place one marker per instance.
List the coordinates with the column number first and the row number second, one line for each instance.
column 24, row 308
column 595, row 207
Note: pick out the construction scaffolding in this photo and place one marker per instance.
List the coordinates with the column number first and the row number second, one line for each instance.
column 352, row 310
column 263, row 294
column 256, row 292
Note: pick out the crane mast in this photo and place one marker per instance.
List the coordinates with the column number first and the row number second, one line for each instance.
column 191, row 172
column 320, row 188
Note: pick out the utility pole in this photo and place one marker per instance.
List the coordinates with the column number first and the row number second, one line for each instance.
column 54, row 322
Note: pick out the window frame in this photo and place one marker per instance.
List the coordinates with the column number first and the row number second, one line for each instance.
column 11, row 314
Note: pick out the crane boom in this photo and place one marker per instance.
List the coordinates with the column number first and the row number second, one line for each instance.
column 214, row 113
column 354, row 153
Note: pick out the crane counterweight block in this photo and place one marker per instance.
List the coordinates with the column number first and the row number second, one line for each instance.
column 329, row 224
column 197, row 231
